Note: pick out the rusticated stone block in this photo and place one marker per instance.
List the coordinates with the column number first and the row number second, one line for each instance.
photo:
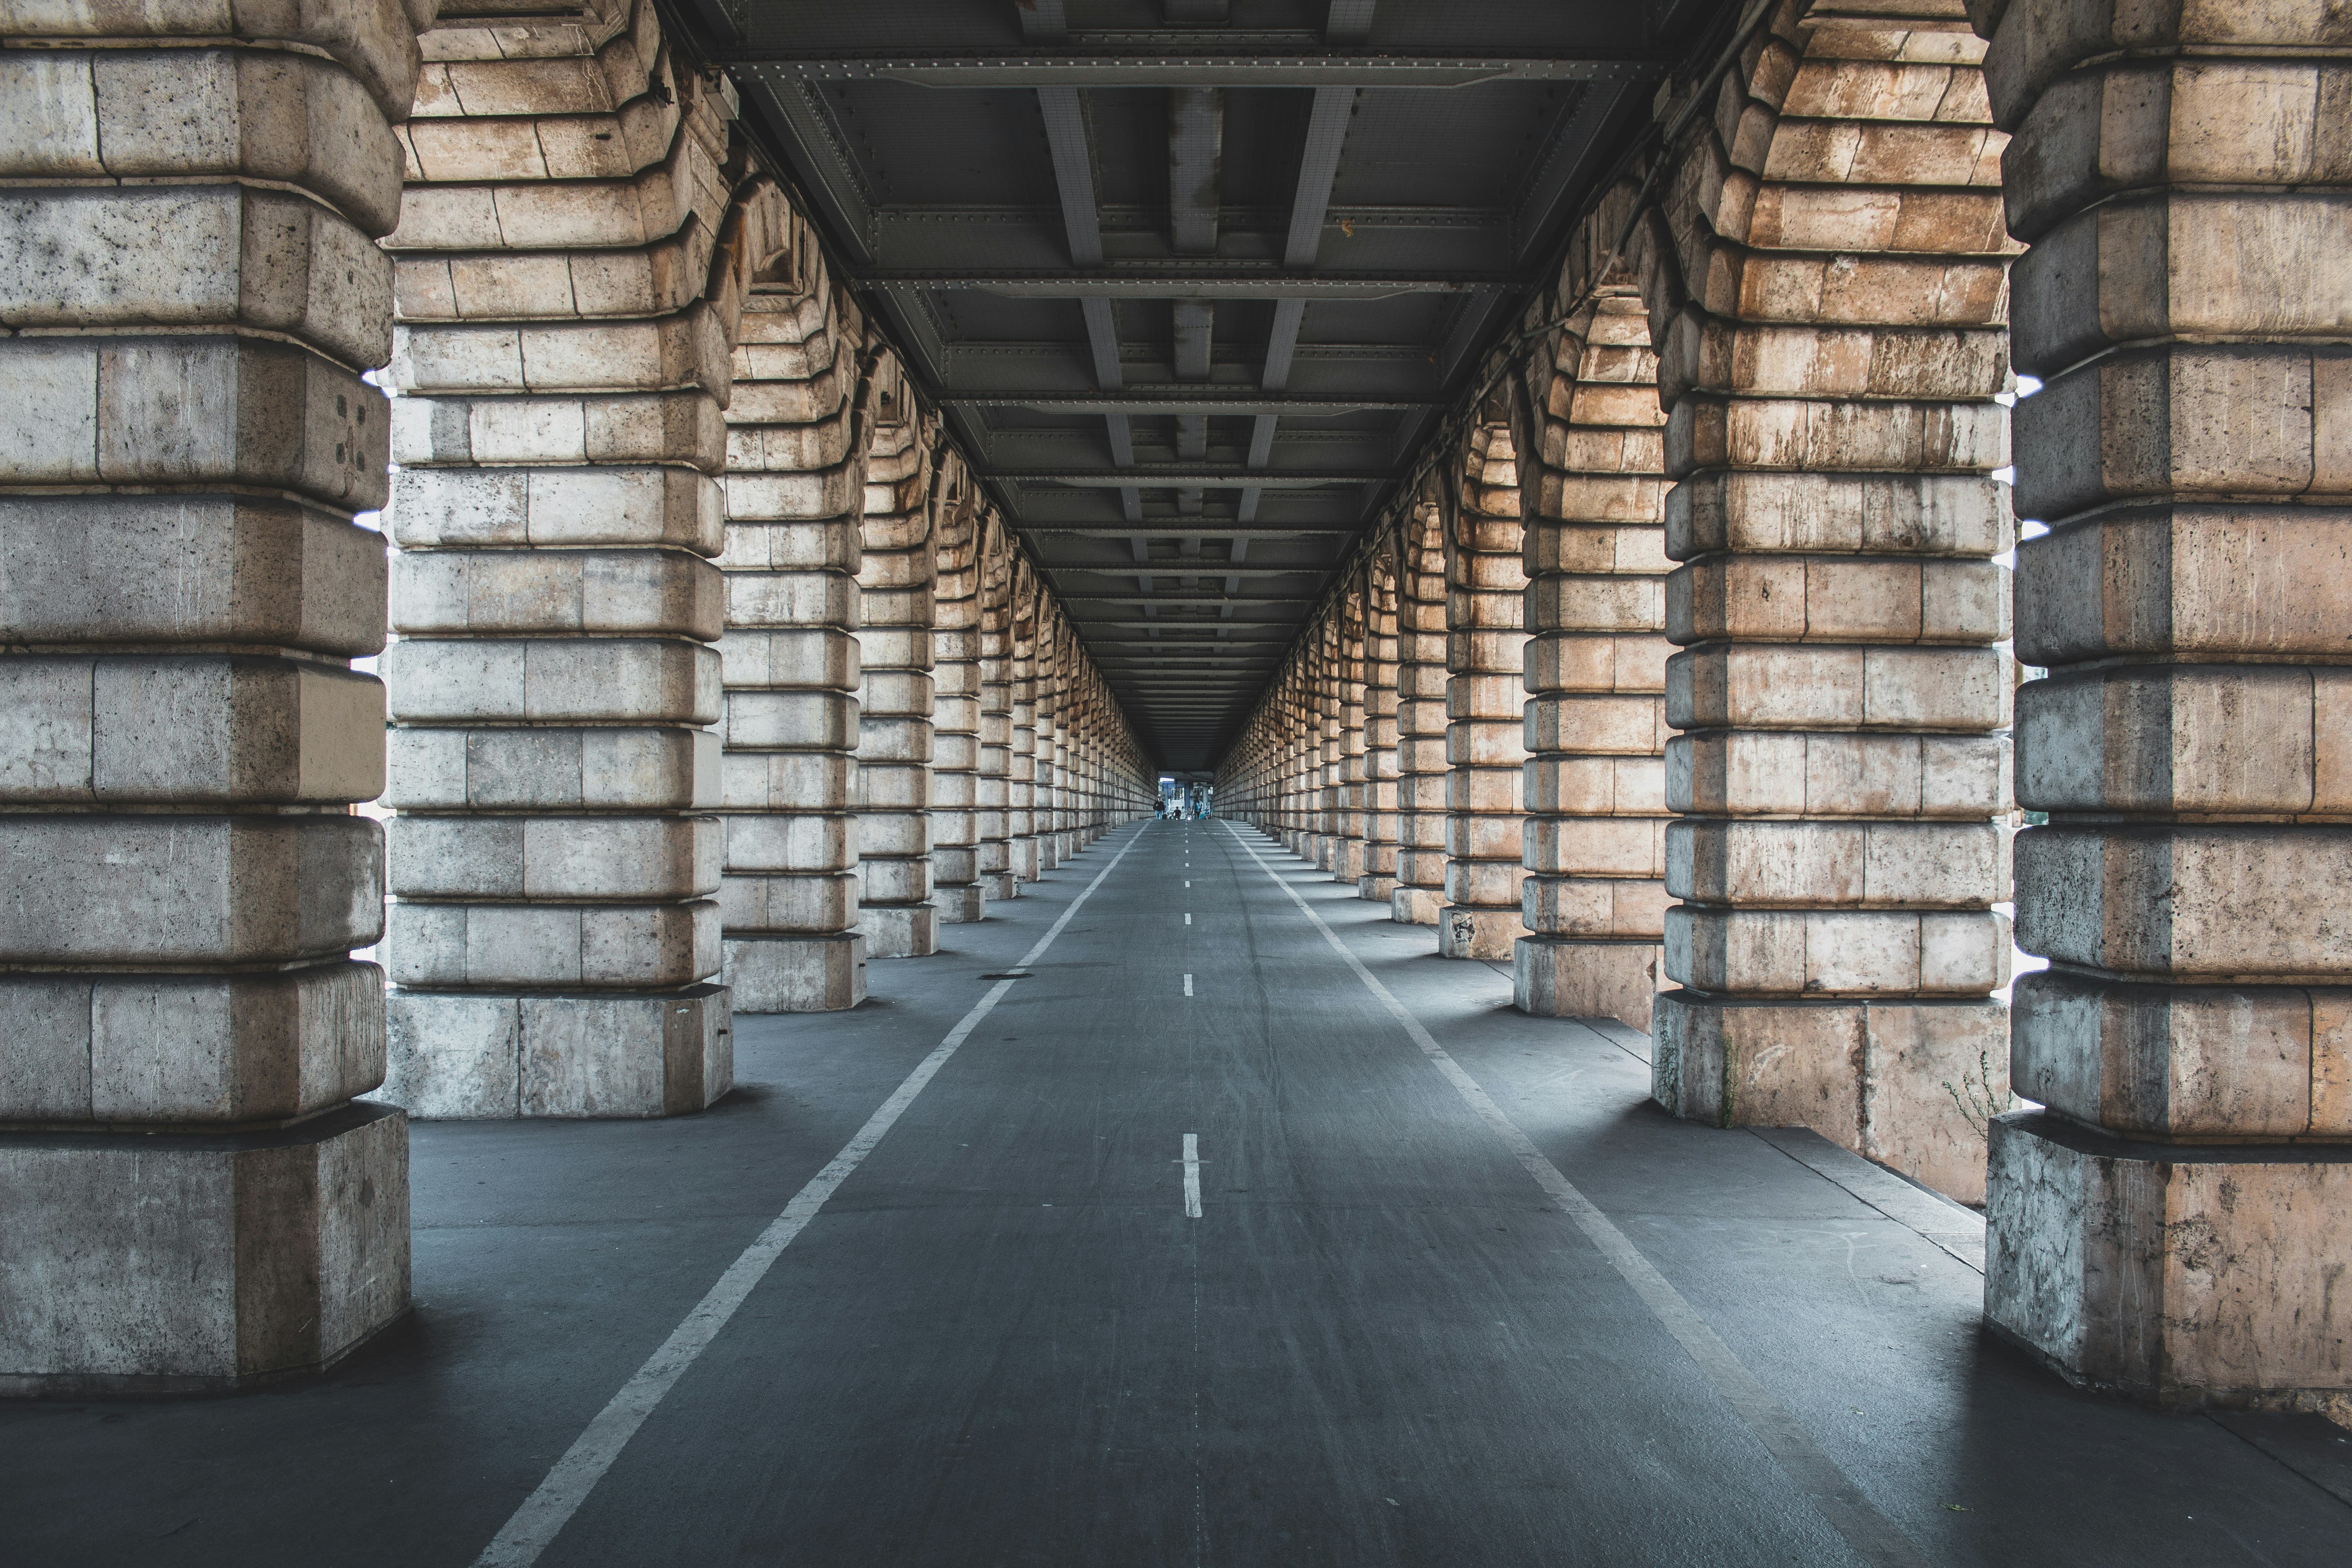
column 821, row 973
column 1869, row 1076
column 2185, row 1275
column 458, row 1055
column 180, row 1263
column 1559, row 977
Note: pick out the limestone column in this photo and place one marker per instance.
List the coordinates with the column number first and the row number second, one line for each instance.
column 1595, row 897
column 563, row 370
column 191, row 1200
column 1831, row 319
column 794, row 491
column 2177, row 1224
column 993, row 818
column 1348, row 860
column 955, row 721
column 1421, row 818
column 1485, row 742
column 1021, row 781
column 1332, row 702
column 1378, row 880
column 897, row 580
column 1044, row 794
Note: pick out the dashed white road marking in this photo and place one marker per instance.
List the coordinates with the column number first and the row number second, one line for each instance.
column 1873, row 1537
column 1188, row 986
column 534, row 1526
column 1192, row 1175
column 1188, row 916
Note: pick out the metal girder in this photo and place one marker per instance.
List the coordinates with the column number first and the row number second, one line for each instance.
column 1193, row 528
column 1187, row 63
column 1166, row 599
column 1162, row 476
column 1235, row 402
column 1183, row 569
column 1176, row 280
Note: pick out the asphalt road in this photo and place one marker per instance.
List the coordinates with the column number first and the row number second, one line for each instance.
column 1003, row 1338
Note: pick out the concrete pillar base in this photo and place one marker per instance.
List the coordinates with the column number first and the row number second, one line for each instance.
column 1468, row 930
column 1415, row 906
column 1375, row 888
column 474, row 1054
column 797, row 974
column 1003, row 885
column 1871, row 1075
column 181, row 1263
column 960, row 906
column 899, row 930
column 1048, row 856
column 1348, row 861
column 1025, row 859
column 1559, row 977
column 2185, row 1275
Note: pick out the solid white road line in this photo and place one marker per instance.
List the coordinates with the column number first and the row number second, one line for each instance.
column 545, row 1512
column 1188, row 986
column 1192, row 1175
column 1873, row 1537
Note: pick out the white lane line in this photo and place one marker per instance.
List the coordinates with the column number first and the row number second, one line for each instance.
column 534, row 1526
column 1188, row 881
column 1873, row 1537
column 1188, row 986
column 1188, row 916
column 1192, row 1175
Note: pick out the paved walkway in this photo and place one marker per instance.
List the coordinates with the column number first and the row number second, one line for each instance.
column 1455, row 1294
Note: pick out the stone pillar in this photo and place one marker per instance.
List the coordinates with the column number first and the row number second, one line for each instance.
column 992, row 819
column 1420, row 721
column 2176, row 1226
column 1348, row 857
column 1485, row 744
column 186, row 262
column 897, row 579
column 1044, row 794
column 794, row 489
column 1021, row 791
column 563, row 365
column 1592, row 456
column 1842, row 777
column 955, row 722
column 1378, row 880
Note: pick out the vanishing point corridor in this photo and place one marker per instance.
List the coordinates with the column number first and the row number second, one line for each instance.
column 1387, row 1337
column 873, row 784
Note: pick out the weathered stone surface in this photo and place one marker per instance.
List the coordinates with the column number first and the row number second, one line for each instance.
column 179, row 1263
column 190, row 294
column 475, row 1054
column 2184, row 1274
column 2170, row 1228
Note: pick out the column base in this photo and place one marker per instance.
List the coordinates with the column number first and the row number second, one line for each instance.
column 960, row 905
column 1469, row 931
column 797, row 974
column 2184, row 1275
column 899, row 930
column 472, row 1055
column 1348, row 861
column 1025, row 859
column 183, row 1263
column 1871, row 1075
column 1561, row 977
column 1001, row 884
column 1410, row 905
column 1375, row 888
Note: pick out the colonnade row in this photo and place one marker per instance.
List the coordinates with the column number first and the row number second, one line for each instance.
column 1687, row 678
column 713, row 671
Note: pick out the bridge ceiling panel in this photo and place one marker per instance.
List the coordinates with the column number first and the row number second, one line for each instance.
column 1192, row 278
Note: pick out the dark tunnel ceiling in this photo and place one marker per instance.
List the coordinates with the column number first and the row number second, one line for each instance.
column 1192, row 279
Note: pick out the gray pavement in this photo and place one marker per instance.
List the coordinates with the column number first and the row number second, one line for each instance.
column 1003, row 1342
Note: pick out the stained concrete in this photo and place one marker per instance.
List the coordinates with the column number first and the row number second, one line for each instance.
column 1002, row 1342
